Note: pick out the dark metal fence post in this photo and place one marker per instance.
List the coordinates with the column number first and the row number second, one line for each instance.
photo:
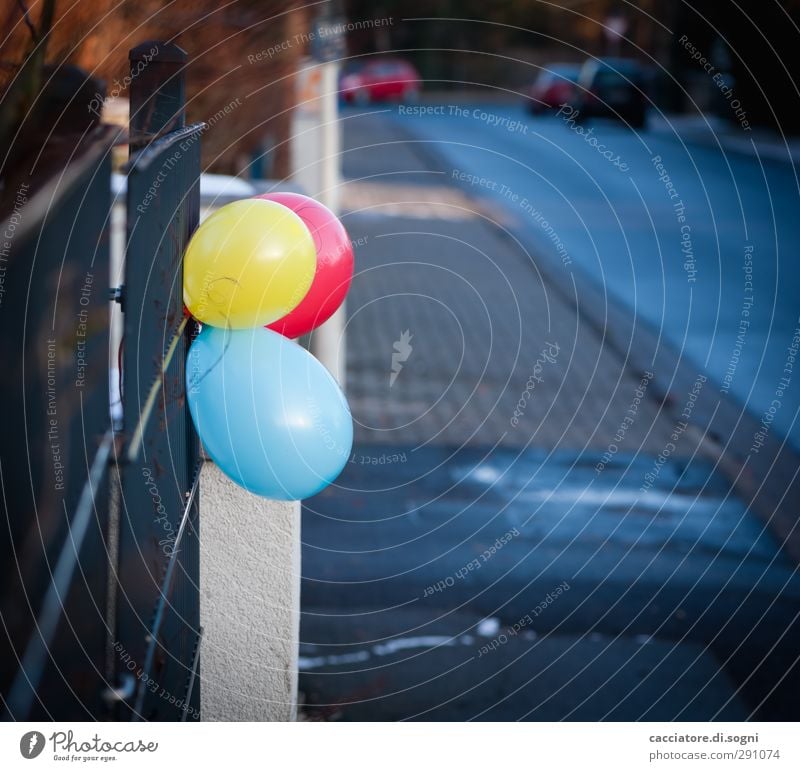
column 158, row 612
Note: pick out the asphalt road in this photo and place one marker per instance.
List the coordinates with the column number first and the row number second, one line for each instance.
column 463, row 567
column 431, row 591
column 701, row 243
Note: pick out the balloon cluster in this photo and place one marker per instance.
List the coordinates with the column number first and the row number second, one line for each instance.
column 257, row 273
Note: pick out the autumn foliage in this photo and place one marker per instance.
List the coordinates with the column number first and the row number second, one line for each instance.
column 222, row 40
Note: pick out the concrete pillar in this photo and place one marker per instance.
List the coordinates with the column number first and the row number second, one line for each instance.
column 249, row 602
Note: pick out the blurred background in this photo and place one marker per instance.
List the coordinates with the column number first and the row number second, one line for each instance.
column 494, row 48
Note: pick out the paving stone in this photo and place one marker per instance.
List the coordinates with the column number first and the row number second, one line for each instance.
column 438, row 266
column 478, row 318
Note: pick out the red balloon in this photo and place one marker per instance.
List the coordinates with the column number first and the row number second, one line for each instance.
column 334, row 265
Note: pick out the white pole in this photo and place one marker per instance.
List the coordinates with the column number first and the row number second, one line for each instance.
column 328, row 342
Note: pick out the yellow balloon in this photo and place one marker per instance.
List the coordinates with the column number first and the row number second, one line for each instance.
column 249, row 264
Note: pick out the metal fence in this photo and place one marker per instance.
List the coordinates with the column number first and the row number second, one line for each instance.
column 100, row 600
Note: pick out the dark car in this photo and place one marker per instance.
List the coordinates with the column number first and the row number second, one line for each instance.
column 612, row 88
column 379, row 80
column 554, row 86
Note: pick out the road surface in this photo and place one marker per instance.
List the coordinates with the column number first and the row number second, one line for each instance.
column 482, row 556
column 702, row 244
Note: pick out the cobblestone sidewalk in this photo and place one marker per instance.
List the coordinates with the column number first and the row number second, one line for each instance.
column 456, row 337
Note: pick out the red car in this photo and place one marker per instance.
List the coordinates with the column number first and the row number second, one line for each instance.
column 554, row 86
column 381, row 80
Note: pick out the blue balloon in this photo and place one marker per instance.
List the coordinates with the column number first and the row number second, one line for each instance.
column 268, row 413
